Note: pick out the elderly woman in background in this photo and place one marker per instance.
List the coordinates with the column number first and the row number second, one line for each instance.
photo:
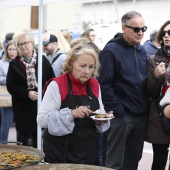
column 157, row 84
column 70, row 134
column 22, row 84
column 10, row 53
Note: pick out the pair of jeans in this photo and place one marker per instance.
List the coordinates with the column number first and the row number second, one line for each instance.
column 6, row 121
column 125, row 141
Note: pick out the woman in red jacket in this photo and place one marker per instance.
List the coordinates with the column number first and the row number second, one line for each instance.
column 70, row 135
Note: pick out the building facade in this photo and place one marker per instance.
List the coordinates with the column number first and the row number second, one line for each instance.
column 79, row 15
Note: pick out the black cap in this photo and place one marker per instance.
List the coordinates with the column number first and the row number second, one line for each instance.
column 48, row 38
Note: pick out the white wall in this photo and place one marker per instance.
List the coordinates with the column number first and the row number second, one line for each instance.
column 72, row 15
column 58, row 16
column 63, row 16
column 14, row 20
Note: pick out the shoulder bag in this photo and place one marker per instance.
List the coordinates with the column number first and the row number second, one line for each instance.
column 5, row 97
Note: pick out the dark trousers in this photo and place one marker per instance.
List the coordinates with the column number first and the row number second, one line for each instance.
column 98, row 157
column 125, row 142
column 27, row 139
column 160, row 155
column 104, row 147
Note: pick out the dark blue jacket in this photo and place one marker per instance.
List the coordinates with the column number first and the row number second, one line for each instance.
column 122, row 77
column 150, row 48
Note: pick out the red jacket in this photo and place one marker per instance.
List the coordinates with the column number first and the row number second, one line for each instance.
column 77, row 87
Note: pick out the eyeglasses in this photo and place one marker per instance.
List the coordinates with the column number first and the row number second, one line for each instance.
column 25, row 44
column 164, row 33
column 136, row 29
column 12, row 49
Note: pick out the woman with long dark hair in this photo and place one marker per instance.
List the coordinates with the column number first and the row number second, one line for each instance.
column 157, row 84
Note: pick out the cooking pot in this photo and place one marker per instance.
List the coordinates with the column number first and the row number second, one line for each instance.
column 63, row 167
column 30, row 150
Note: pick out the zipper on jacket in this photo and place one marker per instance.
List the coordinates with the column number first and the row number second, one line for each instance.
column 137, row 63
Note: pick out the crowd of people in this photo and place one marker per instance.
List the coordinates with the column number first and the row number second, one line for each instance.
column 126, row 79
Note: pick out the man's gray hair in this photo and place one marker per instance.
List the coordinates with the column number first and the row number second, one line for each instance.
column 153, row 35
column 129, row 15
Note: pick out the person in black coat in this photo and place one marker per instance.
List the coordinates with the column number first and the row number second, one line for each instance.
column 22, row 84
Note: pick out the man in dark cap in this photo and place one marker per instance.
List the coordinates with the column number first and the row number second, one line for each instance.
column 54, row 54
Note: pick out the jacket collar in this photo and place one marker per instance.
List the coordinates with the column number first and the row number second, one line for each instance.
column 120, row 40
column 77, row 82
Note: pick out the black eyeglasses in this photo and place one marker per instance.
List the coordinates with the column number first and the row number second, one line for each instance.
column 25, row 44
column 164, row 33
column 136, row 29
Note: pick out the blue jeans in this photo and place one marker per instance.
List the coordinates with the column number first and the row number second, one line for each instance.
column 6, row 121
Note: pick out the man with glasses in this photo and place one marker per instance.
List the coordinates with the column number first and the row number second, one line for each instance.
column 122, row 79
column 53, row 53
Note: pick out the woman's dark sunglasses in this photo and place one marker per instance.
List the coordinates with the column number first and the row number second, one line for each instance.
column 164, row 33
column 136, row 29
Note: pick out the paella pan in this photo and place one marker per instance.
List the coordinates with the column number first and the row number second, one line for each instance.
column 63, row 167
column 13, row 156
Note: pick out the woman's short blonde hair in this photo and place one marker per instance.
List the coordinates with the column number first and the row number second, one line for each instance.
column 5, row 56
column 77, row 51
column 28, row 35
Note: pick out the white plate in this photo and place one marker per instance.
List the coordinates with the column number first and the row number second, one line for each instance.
column 101, row 119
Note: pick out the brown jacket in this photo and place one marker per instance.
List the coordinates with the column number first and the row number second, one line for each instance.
column 155, row 132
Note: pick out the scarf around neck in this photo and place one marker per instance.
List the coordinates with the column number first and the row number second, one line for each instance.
column 30, row 71
column 167, row 50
